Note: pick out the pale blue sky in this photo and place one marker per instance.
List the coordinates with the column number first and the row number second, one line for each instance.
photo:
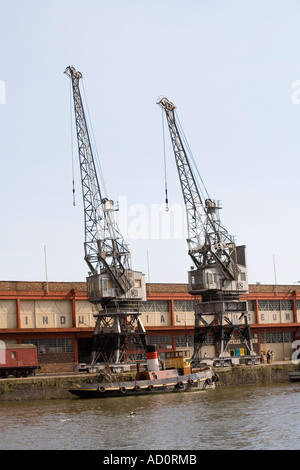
column 229, row 67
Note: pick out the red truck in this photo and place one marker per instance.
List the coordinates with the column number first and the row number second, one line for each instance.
column 19, row 360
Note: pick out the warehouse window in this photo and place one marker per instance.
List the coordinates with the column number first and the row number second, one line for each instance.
column 155, row 306
column 184, row 306
column 184, row 341
column 160, row 339
column 280, row 337
column 263, row 305
column 39, row 343
column 60, row 345
column 268, row 305
column 286, row 304
column 277, row 305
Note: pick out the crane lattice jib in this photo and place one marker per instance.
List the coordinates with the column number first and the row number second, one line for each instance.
column 208, row 240
column 104, row 244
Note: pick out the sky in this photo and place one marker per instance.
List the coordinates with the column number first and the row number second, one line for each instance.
column 231, row 67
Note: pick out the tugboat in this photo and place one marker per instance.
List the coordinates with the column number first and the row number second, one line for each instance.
column 152, row 380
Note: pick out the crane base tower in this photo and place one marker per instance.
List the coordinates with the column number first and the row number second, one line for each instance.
column 223, row 320
column 118, row 336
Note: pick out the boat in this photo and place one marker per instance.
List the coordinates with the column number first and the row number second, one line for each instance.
column 294, row 376
column 150, row 381
column 161, row 381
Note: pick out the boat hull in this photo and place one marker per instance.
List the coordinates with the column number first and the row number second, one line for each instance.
column 294, row 376
column 182, row 383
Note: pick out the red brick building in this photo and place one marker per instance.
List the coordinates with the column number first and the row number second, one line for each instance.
column 58, row 318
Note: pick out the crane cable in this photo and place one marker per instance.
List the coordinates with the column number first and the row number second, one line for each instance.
column 165, row 163
column 72, row 149
column 193, row 161
column 94, row 145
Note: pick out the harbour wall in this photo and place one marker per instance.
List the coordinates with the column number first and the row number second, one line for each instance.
column 260, row 374
column 56, row 387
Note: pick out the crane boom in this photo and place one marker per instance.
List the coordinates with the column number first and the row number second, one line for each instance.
column 106, row 252
column 210, row 246
column 219, row 273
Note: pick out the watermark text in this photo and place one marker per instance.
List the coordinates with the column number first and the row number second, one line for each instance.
column 138, row 221
column 2, row 92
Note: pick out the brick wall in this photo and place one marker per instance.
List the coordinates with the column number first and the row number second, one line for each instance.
column 167, row 288
column 273, row 289
column 26, row 286
column 60, row 362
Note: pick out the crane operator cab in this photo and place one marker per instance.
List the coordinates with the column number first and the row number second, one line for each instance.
column 101, row 287
column 210, row 276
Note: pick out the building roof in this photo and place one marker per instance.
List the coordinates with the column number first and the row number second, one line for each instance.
column 37, row 286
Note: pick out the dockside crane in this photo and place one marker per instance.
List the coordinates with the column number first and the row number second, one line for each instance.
column 113, row 287
column 219, row 273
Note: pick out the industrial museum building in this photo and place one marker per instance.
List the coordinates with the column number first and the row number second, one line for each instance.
column 58, row 318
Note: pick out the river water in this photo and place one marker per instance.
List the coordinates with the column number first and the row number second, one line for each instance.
column 247, row 417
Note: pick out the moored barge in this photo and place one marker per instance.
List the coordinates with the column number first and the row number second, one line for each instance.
column 166, row 381
column 149, row 381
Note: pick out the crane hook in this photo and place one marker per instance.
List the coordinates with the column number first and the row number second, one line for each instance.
column 167, row 201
